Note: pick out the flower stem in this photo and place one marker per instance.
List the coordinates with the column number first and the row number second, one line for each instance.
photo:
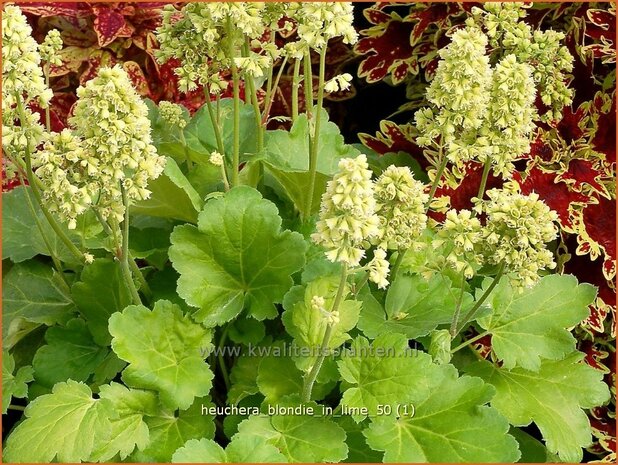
column 222, row 366
column 236, row 84
column 124, row 259
column 47, row 109
column 483, row 184
column 469, row 341
column 185, row 148
column 310, row 378
column 361, row 284
column 308, row 83
column 37, row 195
column 470, row 315
column 215, row 123
column 143, row 284
column 436, row 181
column 313, row 159
column 270, row 98
column 401, row 253
column 453, row 329
column 226, row 183
column 295, row 85
column 250, row 83
column 39, row 226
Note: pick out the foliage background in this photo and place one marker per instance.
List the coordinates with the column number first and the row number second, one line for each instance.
column 571, row 166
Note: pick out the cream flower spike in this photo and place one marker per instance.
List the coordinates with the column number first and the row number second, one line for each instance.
column 347, row 213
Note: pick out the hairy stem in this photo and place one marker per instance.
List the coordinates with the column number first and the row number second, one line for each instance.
column 183, row 141
column 48, row 245
column 124, row 258
column 47, row 109
column 270, row 98
column 236, row 84
column 308, row 83
column 453, row 329
column 310, row 378
column 295, row 85
column 483, row 184
column 37, row 195
column 215, row 123
column 313, row 159
column 143, row 284
column 469, row 341
column 400, row 254
column 16, row 407
column 222, row 366
column 470, row 315
column 254, row 101
column 434, row 185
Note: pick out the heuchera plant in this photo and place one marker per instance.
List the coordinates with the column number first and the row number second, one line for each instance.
column 203, row 289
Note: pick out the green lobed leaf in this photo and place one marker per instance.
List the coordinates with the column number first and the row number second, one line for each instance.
column 414, row 306
column 150, row 244
column 450, row 425
column 300, row 438
column 359, row 450
column 165, row 350
column 278, row 375
column 244, row 374
column 169, row 430
column 553, row 398
column 70, row 353
column 167, row 138
column 163, row 285
column 128, row 428
column 67, row 425
column 236, row 258
column 200, row 135
column 420, row 411
column 172, row 196
column 242, row 449
column 245, row 330
column 21, row 237
column 289, row 150
column 101, row 292
column 530, row 326
column 13, row 384
column 385, row 372
column 286, row 153
column 532, row 450
column 32, row 293
column 307, row 325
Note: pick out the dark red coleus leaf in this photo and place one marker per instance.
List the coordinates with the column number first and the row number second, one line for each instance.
column 109, row 24
column 601, row 24
column 137, row 77
column 554, row 192
column 394, row 138
column 571, row 126
column 461, row 196
column 605, row 433
column 431, row 13
column 388, row 48
column 597, row 234
column 594, row 355
column 541, row 149
column 44, row 9
column 582, row 172
column 590, row 271
column 482, row 346
column 56, row 124
column 604, row 139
